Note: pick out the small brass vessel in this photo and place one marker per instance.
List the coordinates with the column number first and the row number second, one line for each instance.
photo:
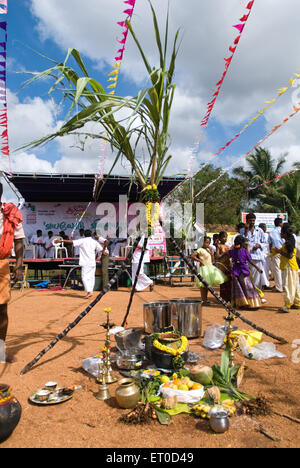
column 127, row 393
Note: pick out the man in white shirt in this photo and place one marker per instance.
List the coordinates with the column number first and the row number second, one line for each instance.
column 255, row 237
column 49, row 246
column 275, row 240
column 11, row 234
column 38, row 241
column 88, row 249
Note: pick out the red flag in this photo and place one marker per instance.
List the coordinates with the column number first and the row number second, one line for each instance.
column 245, row 17
column 250, row 5
column 237, row 40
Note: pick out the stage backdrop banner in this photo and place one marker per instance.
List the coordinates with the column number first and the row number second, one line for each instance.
column 69, row 217
column 267, row 218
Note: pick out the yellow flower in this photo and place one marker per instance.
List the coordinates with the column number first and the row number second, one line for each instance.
column 107, row 310
column 154, row 187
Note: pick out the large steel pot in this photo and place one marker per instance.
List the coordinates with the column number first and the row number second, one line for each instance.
column 186, row 316
column 157, row 316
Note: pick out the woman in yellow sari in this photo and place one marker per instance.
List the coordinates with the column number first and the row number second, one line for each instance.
column 289, row 267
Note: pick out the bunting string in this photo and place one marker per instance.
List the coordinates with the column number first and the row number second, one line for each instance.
column 240, row 27
column 272, row 180
column 4, row 147
column 280, row 92
column 274, row 129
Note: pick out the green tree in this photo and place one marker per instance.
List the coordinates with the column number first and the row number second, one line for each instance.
column 284, row 196
column 222, row 200
column 262, row 168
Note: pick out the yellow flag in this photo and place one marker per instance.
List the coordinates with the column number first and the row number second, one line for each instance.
column 114, row 72
column 112, row 86
column 282, row 90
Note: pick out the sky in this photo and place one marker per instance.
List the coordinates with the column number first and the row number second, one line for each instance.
column 266, row 58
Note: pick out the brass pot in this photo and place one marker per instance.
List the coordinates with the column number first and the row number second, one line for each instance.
column 127, row 393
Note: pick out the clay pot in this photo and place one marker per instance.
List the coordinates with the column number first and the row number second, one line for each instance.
column 10, row 412
column 162, row 359
column 127, row 393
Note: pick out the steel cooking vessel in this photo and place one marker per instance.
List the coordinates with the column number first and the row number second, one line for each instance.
column 156, row 316
column 186, row 316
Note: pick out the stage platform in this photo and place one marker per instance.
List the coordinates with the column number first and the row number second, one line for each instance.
column 40, row 265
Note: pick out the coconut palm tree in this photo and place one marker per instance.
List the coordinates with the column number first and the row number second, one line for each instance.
column 262, row 168
column 143, row 131
column 284, row 196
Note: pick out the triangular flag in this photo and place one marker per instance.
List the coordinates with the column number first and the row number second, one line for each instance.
column 128, row 12
column 250, row 5
column 244, row 18
column 237, row 40
column 232, row 49
column 130, row 2
column 282, row 90
column 240, row 27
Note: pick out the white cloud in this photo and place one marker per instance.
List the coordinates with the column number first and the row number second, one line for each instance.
column 266, row 58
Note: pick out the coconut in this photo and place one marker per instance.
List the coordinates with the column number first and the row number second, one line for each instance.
column 202, row 374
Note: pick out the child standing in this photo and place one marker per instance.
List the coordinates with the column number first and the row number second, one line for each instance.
column 212, row 275
column 244, row 293
column 289, row 267
column 224, row 264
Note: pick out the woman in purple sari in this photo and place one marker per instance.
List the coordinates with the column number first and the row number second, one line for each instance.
column 244, row 293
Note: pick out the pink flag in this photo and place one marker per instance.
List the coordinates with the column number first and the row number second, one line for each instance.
column 130, row 2
column 121, row 23
column 128, row 12
column 240, row 27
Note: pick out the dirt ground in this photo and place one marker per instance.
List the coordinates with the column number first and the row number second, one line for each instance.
column 36, row 317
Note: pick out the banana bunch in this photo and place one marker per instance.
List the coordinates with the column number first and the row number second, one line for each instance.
column 229, row 406
column 202, row 410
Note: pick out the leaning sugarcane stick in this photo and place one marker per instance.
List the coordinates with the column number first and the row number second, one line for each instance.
column 83, row 314
column 135, row 281
column 225, row 304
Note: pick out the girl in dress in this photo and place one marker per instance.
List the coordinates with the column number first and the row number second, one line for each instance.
column 224, row 264
column 289, row 267
column 244, row 293
column 211, row 274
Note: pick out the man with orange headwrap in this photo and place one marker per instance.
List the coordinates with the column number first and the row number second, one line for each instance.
column 11, row 235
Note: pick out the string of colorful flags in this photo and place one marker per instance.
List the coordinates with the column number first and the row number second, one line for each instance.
column 114, row 75
column 280, row 92
column 240, row 27
column 4, row 147
column 274, row 129
column 272, row 180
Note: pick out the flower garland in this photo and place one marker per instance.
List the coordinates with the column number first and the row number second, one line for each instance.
column 167, row 349
column 151, row 195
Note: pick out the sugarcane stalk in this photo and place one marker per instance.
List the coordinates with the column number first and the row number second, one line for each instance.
column 135, row 281
column 225, row 304
column 73, row 324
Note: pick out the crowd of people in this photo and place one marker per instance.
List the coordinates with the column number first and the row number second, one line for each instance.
column 243, row 268
column 44, row 246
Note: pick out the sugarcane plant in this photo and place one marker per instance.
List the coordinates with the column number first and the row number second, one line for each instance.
column 142, row 137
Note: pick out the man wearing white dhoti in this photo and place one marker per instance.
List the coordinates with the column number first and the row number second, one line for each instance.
column 276, row 241
column 255, row 237
column 39, row 242
column 88, row 250
column 143, row 281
